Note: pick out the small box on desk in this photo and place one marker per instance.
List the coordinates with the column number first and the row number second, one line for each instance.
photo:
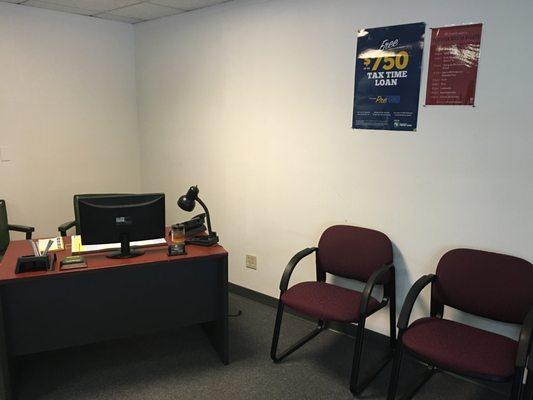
column 32, row 263
column 72, row 262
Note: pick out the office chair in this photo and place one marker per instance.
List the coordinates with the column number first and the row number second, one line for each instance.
column 63, row 228
column 350, row 252
column 5, row 227
column 490, row 285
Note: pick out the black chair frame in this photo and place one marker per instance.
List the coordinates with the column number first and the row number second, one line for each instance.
column 528, row 388
column 437, row 311
column 63, row 228
column 28, row 230
column 6, row 227
column 356, row 386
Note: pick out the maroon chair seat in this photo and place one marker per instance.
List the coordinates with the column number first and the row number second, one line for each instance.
column 327, row 302
column 462, row 348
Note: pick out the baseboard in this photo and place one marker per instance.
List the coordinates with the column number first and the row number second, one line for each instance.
column 253, row 295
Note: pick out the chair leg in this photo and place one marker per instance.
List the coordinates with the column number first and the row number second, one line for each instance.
column 395, row 375
column 277, row 328
column 528, row 388
column 430, row 371
column 359, row 339
column 517, row 388
column 395, row 372
column 392, row 317
column 356, row 387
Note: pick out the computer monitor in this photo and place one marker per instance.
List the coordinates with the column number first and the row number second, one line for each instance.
column 122, row 219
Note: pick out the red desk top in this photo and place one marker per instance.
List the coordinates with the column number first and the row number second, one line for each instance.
column 97, row 261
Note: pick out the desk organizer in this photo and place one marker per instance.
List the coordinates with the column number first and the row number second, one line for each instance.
column 32, row 263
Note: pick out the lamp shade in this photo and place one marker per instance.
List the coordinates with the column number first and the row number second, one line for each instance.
column 188, row 200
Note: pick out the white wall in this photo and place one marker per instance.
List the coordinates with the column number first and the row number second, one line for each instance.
column 68, row 112
column 252, row 101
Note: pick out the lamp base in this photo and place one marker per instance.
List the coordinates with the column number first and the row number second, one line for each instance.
column 207, row 240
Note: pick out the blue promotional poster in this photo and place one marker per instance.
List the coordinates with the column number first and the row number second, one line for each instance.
column 387, row 77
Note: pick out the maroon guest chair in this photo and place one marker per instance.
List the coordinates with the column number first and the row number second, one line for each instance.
column 350, row 252
column 490, row 285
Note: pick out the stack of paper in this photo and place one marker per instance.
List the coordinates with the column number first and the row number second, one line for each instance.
column 77, row 247
column 57, row 244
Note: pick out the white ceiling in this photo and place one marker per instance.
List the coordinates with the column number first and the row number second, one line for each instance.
column 131, row 11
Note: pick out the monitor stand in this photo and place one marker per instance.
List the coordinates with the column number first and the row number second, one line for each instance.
column 125, row 250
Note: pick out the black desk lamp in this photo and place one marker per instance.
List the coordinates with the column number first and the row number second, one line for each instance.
column 187, row 203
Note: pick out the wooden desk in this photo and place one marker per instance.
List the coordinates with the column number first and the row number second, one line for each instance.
column 112, row 298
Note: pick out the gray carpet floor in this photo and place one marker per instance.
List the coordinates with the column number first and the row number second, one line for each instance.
column 183, row 365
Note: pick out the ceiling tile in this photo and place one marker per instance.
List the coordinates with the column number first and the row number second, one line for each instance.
column 146, row 11
column 57, row 7
column 187, row 4
column 95, row 5
column 131, row 11
column 118, row 18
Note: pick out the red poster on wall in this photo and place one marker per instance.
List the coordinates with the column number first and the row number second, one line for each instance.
column 453, row 62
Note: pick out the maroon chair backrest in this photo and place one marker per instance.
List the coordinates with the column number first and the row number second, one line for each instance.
column 353, row 252
column 491, row 285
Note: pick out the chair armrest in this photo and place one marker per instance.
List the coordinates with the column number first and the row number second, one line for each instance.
column 409, row 302
column 370, row 284
column 525, row 341
column 292, row 264
column 22, row 228
column 63, row 228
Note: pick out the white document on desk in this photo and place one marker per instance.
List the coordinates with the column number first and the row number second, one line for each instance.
column 78, row 248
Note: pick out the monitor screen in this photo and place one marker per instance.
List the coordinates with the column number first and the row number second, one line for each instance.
column 116, row 219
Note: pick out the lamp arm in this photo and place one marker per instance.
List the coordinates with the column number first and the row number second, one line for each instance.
column 206, row 214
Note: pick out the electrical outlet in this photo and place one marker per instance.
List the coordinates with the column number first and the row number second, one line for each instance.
column 251, row 261
column 5, row 155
